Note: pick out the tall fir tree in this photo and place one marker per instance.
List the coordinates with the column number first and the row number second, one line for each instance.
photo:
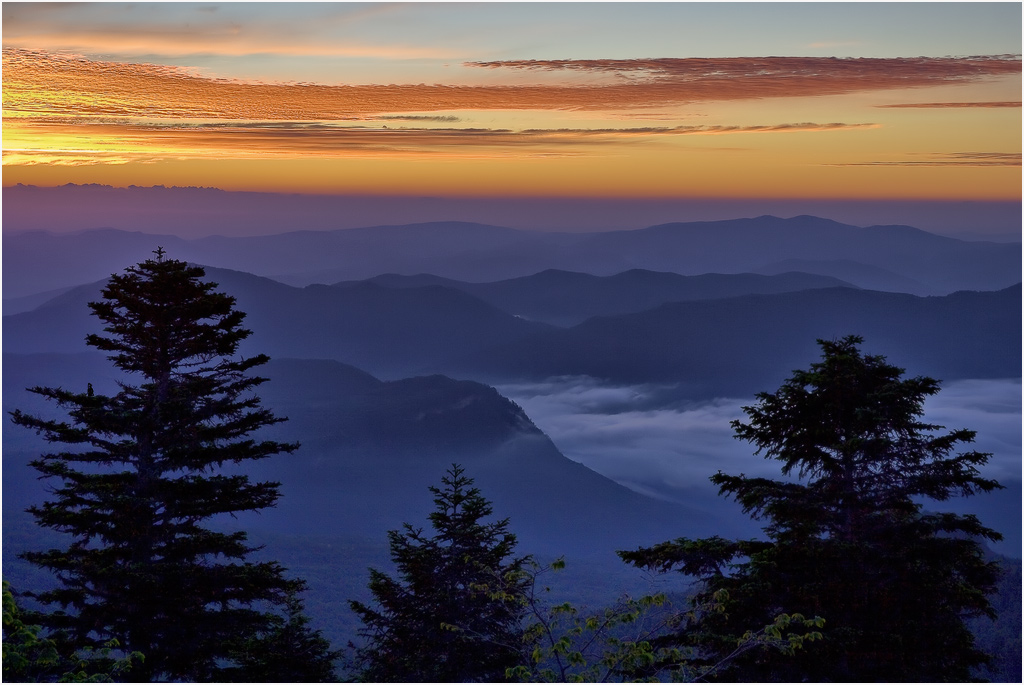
column 848, row 538
column 454, row 613
column 141, row 479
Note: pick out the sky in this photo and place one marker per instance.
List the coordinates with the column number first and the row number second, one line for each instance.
column 709, row 101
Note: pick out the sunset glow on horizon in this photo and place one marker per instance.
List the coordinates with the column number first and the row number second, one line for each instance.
column 482, row 100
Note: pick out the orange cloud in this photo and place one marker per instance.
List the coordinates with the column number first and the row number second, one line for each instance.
column 114, row 142
column 43, row 84
column 69, row 158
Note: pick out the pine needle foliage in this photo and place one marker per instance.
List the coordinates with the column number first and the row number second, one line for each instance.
column 848, row 535
column 441, row 619
column 140, row 478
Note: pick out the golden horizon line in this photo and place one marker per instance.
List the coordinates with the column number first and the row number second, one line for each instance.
column 526, row 196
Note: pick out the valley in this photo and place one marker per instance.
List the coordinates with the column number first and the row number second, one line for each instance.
column 388, row 380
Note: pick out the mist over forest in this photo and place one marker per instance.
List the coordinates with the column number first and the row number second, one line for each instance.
column 588, row 391
column 668, row 449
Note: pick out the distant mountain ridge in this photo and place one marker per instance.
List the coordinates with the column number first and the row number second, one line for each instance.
column 864, row 275
column 370, row 449
column 36, row 262
column 741, row 345
column 391, row 332
column 748, row 244
column 713, row 347
column 566, row 298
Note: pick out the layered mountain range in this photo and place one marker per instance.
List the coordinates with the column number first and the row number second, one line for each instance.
column 370, row 448
column 880, row 257
column 723, row 346
column 386, row 343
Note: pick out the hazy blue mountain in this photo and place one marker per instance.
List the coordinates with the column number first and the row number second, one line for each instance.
column 370, row 449
column 855, row 273
column 26, row 303
column 944, row 264
column 203, row 211
column 393, row 332
column 58, row 325
column 738, row 346
column 361, row 251
column 37, row 261
column 566, row 298
column 415, row 281
column 730, row 346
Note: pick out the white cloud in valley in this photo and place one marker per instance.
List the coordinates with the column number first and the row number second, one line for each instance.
column 632, row 436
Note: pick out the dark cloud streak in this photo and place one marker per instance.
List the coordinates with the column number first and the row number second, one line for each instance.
column 282, row 138
column 953, row 105
column 952, row 159
column 758, row 77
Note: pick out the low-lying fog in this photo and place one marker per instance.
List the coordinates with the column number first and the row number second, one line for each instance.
column 669, row 449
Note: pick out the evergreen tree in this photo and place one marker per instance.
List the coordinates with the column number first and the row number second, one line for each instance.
column 141, row 479
column 285, row 651
column 453, row 614
column 847, row 537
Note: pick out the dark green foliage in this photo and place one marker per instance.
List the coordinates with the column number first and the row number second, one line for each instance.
column 141, row 478
column 27, row 657
column 623, row 643
column 847, row 537
column 443, row 619
column 30, row 657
